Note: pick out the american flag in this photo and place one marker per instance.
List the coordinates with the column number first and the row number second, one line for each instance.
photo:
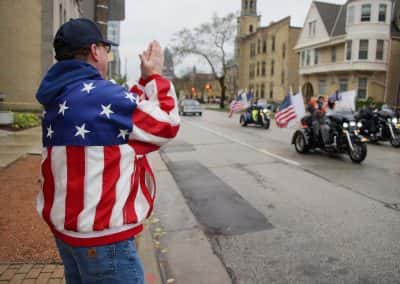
column 286, row 113
column 241, row 102
column 97, row 186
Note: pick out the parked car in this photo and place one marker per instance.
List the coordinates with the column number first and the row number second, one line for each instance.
column 192, row 107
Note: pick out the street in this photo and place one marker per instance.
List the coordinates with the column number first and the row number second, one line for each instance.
column 272, row 215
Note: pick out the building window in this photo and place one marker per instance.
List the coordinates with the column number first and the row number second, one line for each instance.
column 264, row 48
column 283, row 77
column 312, row 27
column 322, row 87
column 262, row 91
column 382, row 13
column 272, row 67
column 251, row 71
column 333, row 54
column 363, row 51
column 284, row 50
column 316, row 56
column 252, row 50
column 366, row 13
column 308, row 57
column 257, row 89
column 273, row 43
column 343, row 85
column 245, row 4
column 350, row 15
column 349, row 49
column 362, row 88
column 258, row 46
column 251, row 4
column 379, row 49
column 258, row 69
column 263, row 67
column 303, row 57
column 61, row 14
column 250, row 28
column 271, row 91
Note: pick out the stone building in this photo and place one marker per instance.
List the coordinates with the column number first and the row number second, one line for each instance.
column 268, row 65
column 26, row 36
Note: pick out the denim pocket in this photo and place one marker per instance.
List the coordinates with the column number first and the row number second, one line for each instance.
column 98, row 261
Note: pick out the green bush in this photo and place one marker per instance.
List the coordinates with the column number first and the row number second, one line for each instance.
column 25, row 120
column 365, row 103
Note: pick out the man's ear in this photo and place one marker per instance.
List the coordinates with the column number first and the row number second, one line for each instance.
column 95, row 52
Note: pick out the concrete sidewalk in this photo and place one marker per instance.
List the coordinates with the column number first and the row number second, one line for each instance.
column 13, row 146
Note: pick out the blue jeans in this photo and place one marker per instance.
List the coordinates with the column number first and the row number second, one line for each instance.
column 115, row 263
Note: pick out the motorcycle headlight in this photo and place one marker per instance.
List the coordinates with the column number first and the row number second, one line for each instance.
column 395, row 120
column 359, row 124
column 352, row 123
column 265, row 110
column 345, row 125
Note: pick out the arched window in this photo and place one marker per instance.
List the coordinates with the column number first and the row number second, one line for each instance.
column 251, row 28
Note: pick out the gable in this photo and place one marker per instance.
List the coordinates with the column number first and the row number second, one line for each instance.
column 321, row 32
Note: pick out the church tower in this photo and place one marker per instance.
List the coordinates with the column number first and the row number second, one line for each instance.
column 248, row 21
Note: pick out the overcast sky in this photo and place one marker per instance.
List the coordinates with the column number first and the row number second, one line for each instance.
column 147, row 20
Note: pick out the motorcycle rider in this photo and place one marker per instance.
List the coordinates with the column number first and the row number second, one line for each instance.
column 318, row 108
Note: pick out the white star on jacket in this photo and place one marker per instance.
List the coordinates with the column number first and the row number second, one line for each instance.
column 81, row 131
column 63, row 108
column 130, row 97
column 49, row 132
column 88, row 87
column 123, row 133
column 106, row 111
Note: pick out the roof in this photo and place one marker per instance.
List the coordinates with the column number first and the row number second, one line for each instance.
column 340, row 25
column 329, row 13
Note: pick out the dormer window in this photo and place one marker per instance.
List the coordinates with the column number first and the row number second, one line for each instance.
column 382, row 13
column 366, row 13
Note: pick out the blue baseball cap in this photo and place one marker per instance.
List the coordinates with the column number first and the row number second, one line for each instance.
column 77, row 33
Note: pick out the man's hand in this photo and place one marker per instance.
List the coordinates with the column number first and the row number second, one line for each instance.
column 152, row 60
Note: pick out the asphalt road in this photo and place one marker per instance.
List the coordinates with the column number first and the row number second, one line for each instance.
column 275, row 216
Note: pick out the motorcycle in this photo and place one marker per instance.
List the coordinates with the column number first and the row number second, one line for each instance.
column 258, row 115
column 344, row 131
column 380, row 126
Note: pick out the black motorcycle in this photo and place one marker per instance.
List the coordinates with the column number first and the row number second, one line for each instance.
column 345, row 134
column 258, row 115
column 380, row 126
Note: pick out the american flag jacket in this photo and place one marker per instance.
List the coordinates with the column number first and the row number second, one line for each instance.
column 97, row 185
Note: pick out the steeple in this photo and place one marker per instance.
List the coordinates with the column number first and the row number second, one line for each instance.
column 249, row 8
column 249, row 21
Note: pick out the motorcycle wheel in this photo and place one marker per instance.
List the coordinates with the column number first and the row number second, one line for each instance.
column 395, row 142
column 359, row 152
column 242, row 121
column 267, row 124
column 300, row 143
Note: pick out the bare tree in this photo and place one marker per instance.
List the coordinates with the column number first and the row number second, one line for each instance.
column 209, row 41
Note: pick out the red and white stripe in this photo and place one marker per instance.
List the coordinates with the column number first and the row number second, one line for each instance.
column 91, row 192
column 156, row 118
column 283, row 117
column 96, row 195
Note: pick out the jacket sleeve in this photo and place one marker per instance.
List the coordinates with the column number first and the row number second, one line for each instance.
column 156, row 118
